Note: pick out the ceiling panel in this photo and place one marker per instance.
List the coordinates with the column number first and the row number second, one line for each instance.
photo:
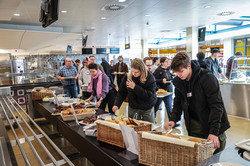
column 10, row 39
column 131, row 21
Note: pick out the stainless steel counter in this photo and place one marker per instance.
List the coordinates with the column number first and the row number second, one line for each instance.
column 236, row 98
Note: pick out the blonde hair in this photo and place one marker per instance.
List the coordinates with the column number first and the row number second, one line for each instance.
column 139, row 65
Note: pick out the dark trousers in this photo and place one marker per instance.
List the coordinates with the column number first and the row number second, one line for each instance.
column 196, row 130
column 109, row 99
column 85, row 95
column 119, row 81
column 70, row 90
column 167, row 101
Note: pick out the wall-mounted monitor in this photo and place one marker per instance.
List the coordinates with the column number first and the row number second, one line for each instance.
column 69, row 49
column 114, row 51
column 100, row 50
column 87, row 51
column 48, row 12
column 202, row 34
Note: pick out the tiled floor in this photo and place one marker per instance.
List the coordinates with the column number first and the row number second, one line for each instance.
column 239, row 130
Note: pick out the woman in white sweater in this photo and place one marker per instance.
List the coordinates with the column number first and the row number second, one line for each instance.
column 84, row 79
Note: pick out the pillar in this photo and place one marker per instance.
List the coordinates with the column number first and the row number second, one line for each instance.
column 192, row 41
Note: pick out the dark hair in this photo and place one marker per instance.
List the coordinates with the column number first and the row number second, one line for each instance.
column 155, row 59
column 78, row 61
column 239, row 53
column 163, row 59
column 215, row 51
column 120, row 57
column 180, row 60
column 146, row 58
column 92, row 66
column 200, row 55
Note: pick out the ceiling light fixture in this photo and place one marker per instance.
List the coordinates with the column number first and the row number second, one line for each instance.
column 226, row 13
column 103, row 18
column 208, row 6
column 122, row 0
column 170, row 20
column 17, row 14
column 64, row 11
column 147, row 15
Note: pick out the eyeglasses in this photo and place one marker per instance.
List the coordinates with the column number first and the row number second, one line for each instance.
column 149, row 65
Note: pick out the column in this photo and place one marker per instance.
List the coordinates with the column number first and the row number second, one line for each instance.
column 228, row 49
column 192, row 41
column 144, row 49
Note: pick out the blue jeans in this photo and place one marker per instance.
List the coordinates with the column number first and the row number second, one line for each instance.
column 167, row 101
column 70, row 90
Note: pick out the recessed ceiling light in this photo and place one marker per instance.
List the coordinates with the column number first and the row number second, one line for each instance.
column 147, row 15
column 226, row 13
column 16, row 14
column 92, row 27
column 64, row 11
column 122, row 0
column 165, row 30
column 170, row 20
column 206, row 7
column 103, row 18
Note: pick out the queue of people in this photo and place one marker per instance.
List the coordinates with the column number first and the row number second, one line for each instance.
column 195, row 84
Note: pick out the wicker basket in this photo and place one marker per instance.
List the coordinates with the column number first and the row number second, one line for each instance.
column 158, row 152
column 113, row 135
column 40, row 95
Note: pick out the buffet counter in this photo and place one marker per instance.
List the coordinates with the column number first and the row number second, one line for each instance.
column 236, row 97
column 100, row 153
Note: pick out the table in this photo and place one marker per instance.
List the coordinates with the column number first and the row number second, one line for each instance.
column 97, row 152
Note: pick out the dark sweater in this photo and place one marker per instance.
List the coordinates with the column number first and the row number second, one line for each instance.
column 141, row 97
column 161, row 73
column 206, row 102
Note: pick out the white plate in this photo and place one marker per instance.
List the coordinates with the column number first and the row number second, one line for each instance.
column 119, row 73
column 84, row 85
column 56, row 114
column 46, row 100
column 163, row 95
column 245, row 144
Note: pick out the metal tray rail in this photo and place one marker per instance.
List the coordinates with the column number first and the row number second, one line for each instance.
column 9, row 101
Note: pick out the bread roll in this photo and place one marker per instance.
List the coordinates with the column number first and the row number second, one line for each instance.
column 168, row 135
column 195, row 140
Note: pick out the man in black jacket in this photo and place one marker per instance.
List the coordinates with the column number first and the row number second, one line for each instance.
column 197, row 94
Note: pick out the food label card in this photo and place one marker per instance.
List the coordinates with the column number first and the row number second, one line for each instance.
column 130, row 138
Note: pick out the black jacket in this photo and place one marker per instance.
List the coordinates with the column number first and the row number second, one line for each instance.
column 206, row 101
column 161, row 73
column 106, row 68
column 141, row 97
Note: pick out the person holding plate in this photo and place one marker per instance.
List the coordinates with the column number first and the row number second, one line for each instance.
column 163, row 77
column 68, row 76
